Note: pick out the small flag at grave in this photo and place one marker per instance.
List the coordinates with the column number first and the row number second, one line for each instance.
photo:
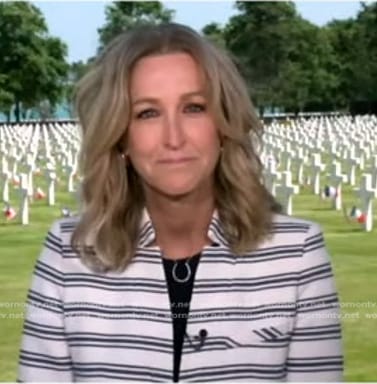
column 9, row 212
column 39, row 195
column 329, row 192
column 357, row 215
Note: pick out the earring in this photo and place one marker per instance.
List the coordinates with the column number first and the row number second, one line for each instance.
column 125, row 158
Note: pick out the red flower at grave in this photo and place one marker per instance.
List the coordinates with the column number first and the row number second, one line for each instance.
column 39, row 195
column 10, row 213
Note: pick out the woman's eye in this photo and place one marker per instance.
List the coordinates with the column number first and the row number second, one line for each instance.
column 147, row 113
column 195, row 108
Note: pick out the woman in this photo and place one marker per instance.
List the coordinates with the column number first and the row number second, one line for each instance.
column 177, row 268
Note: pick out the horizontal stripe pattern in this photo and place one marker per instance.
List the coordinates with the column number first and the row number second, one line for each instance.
column 236, row 371
column 99, row 370
column 270, row 315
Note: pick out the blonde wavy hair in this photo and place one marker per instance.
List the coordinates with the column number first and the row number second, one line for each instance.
column 112, row 198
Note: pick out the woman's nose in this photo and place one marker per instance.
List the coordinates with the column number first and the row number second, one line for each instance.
column 174, row 135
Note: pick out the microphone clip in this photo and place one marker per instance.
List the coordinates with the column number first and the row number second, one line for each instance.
column 199, row 339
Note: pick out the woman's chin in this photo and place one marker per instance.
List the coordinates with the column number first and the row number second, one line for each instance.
column 178, row 187
column 177, row 192
column 174, row 190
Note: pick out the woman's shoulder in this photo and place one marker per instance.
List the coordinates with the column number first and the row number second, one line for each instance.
column 281, row 220
column 294, row 227
column 63, row 228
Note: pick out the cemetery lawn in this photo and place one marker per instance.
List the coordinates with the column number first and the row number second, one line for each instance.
column 354, row 259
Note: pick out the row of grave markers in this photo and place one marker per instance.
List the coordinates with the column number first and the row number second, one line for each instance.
column 347, row 142
column 29, row 151
column 349, row 146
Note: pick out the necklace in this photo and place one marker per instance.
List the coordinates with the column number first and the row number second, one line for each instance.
column 183, row 266
column 188, row 272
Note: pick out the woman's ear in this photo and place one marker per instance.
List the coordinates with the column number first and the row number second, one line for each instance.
column 222, row 140
column 120, row 148
column 122, row 144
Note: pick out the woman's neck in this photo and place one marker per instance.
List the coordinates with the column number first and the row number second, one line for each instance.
column 181, row 226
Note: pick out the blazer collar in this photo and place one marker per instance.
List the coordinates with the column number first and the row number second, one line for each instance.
column 147, row 234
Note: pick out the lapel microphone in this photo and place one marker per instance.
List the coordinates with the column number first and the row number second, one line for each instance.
column 199, row 339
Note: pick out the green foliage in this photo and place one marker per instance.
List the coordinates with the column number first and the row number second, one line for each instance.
column 365, row 54
column 355, row 44
column 289, row 62
column 122, row 15
column 32, row 63
column 215, row 33
column 260, row 37
column 6, row 98
column 341, row 34
column 76, row 71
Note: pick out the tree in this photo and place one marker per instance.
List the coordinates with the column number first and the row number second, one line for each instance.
column 123, row 15
column 354, row 42
column 259, row 37
column 364, row 67
column 288, row 62
column 342, row 37
column 32, row 64
column 6, row 98
column 295, row 71
column 76, row 71
column 316, row 62
column 215, row 33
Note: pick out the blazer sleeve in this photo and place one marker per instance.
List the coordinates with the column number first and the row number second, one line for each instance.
column 315, row 352
column 44, row 354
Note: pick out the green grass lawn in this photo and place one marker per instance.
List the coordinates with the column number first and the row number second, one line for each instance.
column 354, row 257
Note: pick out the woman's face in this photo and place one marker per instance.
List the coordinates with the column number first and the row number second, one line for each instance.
column 172, row 140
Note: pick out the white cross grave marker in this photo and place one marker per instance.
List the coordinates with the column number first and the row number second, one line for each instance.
column 373, row 172
column 285, row 192
column 300, row 161
column 30, row 166
column 51, row 179
column 24, row 207
column 351, row 163
column 336, row 178
column 271, row 175
column 317, row 167
column 6, row 178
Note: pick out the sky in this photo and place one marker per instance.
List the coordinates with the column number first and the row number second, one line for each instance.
column 76, row 22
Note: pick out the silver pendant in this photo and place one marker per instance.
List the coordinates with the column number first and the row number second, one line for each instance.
column 186, row 278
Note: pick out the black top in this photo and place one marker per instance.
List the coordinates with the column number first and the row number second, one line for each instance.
column 180, row 298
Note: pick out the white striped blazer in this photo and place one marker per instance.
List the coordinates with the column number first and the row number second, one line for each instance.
column 269, row 315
